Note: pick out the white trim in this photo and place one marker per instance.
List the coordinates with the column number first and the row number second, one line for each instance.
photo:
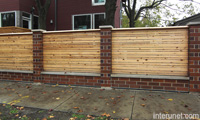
column 106, row 26
column 97, row 4
column 150, row 76
column 81, row 15
column 193, row 23
column 71, row 73
column 23, row 33
column 92, row 23
column 29, row 22
column 151, row 28
column 29, row 19
column 66, row 31
column 16, row 71
column 9, row 12
column 93, row 15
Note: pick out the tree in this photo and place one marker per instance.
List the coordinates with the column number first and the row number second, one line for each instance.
column 125, row 21
column 166, row 13
column 110, row 7
column 42, row 11
column 134, row 14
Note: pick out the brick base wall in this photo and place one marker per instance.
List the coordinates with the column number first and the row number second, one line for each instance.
column 16, row 76
column 151, row 84
column 133, row 83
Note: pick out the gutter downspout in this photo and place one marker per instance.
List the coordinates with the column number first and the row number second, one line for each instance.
column 56, row 2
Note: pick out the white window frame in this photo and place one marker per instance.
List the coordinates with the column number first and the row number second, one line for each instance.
column 9, row 12
column 82, row 15
column 94, row 18
column 27, row 19
column 97, row 4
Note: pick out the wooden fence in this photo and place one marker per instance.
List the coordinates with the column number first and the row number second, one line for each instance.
column 13, row 29
column 16, row 52
column 139, row 58
column 150, row 51
column 72, row 52
column 134, row 51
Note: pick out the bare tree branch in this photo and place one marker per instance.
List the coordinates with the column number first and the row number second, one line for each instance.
column 153, row 5
column 38, row 4
column 47, row 5
column 129, row 6
column 190, row 1
column 172, row 8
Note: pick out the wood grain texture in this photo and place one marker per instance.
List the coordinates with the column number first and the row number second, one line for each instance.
column 12, row 29
column 72, row 52
column 16, row 52
column 150, row 52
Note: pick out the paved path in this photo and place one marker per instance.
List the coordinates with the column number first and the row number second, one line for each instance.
column 95, row 101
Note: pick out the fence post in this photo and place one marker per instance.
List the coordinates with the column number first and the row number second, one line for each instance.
column 106, row 55
column 37, row 55
column 194, row 56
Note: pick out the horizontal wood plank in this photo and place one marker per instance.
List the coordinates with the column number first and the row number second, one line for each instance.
column 72, row 52
column 150, row 52
column 16, row 52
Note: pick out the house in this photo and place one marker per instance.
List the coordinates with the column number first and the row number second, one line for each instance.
column 62, row 14
column 183, row 22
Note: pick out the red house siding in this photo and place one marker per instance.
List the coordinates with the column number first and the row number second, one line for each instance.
column 117, row 15
column 16, row 5
column 26, row 5
column 67, row 9
column 9, row 5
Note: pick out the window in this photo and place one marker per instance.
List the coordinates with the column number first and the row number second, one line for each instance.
column 98, row 20
column 35, row 22
column 98, row 2
column 82, row 22
column 26, row 20
column 88, row 21
column 7, row 19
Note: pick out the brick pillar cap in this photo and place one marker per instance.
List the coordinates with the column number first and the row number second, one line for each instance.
column 193, row 23
column 106, row 27
column 38, row 30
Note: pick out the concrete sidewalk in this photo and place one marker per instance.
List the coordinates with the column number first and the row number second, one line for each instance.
column 95, row 101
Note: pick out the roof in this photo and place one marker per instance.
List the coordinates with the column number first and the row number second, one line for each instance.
column 194, row 18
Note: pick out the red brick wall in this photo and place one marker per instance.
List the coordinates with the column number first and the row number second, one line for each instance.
column 194, row 58
column 153, row 84
column 106, row 56
column 37, row 55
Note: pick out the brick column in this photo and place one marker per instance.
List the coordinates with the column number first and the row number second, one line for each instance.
column 194, row 56
column 106, row 55
column 37, row 55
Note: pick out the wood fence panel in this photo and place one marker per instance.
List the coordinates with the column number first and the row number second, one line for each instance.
column 150, row 52
column 12, row 29
column 16, row 52
column 72, row 52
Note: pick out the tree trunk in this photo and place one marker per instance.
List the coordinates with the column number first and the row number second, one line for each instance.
column 42, row 22
column 132, row 21
column 42, row 11
column 110, row 7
